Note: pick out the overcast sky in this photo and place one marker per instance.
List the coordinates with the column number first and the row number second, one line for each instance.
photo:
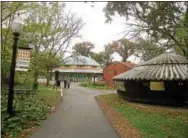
column 95, row 29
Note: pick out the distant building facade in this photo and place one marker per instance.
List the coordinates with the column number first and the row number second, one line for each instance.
column 79, row 69
column 115, row 68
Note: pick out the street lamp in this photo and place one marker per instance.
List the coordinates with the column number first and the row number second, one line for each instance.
column 16, row 28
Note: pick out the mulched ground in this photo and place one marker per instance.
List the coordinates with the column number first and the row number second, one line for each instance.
column 121, row 125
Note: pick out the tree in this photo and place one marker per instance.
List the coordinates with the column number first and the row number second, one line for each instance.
column 9, row 10
column 46, row 31
column 146, row 49
column 47, row 62
column 142, row 48
column 6, row 55
column 99, row 57
column 52, row 30
column 83, row 48
column 108, row 51
column 124, row 48
column 159, row 20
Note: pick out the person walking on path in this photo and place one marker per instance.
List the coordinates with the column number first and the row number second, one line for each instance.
column 57, row 84
column 69, row 83
column 65, row 83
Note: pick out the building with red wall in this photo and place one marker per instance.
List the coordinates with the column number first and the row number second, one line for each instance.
column 114, row 69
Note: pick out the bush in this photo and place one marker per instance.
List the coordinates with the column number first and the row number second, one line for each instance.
column 24, row 79
column 100, row 85
column 85, row 84
column 28, row 111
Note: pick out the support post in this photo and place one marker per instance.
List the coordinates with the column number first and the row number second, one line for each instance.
column 10, row 109
column 94, row 78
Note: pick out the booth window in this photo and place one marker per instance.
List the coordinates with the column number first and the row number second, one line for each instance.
column 157, row 86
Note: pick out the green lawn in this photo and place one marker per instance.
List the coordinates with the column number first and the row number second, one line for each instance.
column 151, row 123
column 50, row 95
column 95, row 85
column 30, row 112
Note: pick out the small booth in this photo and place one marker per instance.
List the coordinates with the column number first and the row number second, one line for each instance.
column 161, row 80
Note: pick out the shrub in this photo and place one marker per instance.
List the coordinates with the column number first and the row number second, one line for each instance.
column 100, row 85
column 28, row 111
column 24, row 79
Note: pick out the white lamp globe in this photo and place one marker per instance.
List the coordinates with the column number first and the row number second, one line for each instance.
column 30, row 46
column 17, row 25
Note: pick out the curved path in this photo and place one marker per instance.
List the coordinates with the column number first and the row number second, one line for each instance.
column 78, row 116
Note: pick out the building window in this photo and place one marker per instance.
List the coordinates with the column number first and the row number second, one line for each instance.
column 109, row 71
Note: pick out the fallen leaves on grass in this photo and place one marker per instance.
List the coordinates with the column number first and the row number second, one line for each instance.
column 149, row 120
column 121, row 125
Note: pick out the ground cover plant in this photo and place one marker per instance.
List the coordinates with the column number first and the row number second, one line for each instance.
column 30, row 112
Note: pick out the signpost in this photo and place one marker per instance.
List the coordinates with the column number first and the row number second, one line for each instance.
column 23, row 59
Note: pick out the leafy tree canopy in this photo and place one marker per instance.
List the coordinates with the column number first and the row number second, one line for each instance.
column 83, row 48
column 159, row 20
column 46, row 26
column 99, row 57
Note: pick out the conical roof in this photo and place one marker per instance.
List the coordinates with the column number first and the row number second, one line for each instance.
column 167, row 58
column 167, row 66
column 80, row 60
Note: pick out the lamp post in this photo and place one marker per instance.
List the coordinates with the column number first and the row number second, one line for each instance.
column 16, row 28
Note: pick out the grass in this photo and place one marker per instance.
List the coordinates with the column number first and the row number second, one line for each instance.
column 97, row 87
column 52, row 97
column 151, row 123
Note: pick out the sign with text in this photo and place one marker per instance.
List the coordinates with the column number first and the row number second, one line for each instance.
column 23, row 59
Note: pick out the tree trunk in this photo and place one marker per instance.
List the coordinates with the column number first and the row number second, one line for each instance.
column 47, row 82
column 47, row 77
column 36, row 73
column 124, row 58
column 94, row 78
column 35, row 83
column 50, row 71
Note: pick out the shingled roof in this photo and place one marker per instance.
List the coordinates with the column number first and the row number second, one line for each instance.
column 167, row 66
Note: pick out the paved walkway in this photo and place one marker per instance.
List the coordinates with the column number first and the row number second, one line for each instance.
column 78, row 116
